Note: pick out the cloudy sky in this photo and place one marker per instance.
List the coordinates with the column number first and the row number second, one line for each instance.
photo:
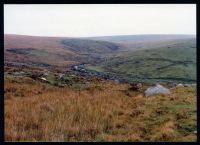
column 76, row 20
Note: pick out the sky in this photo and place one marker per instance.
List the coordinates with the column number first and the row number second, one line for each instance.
column 86, row 20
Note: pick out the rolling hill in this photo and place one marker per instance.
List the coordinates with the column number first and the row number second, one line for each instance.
column 132, row 42
column 174, row 62
column 146, row 58
column 141, row 38
column 57, row 51
column 30, row 49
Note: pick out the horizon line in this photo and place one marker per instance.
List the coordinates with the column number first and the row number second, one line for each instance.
column 99, row 35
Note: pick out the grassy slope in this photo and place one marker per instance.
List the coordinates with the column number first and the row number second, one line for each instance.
column 175, row 61
column 47, row 50
column 36, row 111
column 63, row 51
column 90, row 46
column 58, row 51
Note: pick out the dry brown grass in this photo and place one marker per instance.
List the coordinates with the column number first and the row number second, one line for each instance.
column 36, row 111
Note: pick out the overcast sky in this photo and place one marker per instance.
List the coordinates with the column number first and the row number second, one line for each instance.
column 76, row 20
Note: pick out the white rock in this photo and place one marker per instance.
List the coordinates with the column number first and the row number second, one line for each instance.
column 158, row 89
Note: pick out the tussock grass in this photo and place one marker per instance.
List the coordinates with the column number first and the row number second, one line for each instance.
column 36, row 111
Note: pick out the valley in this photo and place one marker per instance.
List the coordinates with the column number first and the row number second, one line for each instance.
column 174, row 62
column 174, row 59
column 86, row 89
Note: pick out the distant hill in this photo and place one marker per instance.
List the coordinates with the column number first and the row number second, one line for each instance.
column 141, row 38
column 132, row 42
column 136, row 57
column 59, row 51
column 90, row 46
column 47, row 50
column 174, row 62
